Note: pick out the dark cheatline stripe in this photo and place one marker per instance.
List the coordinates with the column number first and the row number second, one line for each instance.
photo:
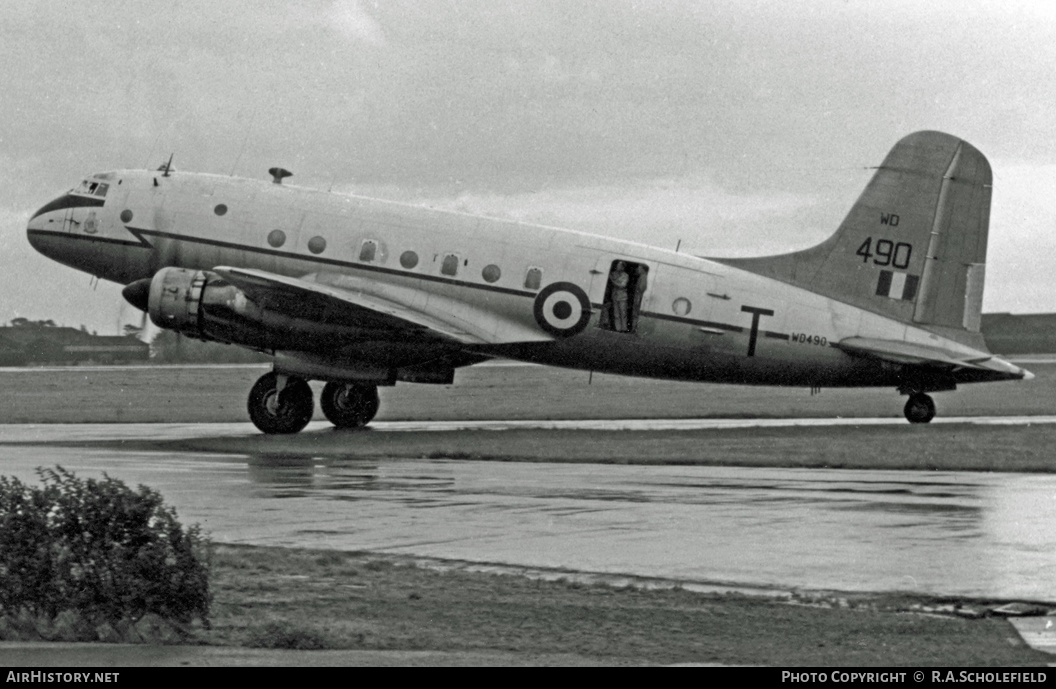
column 691, row 321
column 142, row 233
column 88, row 238
column 713, row 324
column 68, row 201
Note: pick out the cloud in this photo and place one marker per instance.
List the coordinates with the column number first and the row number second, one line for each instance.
column 1022, row 243
column 349, row 19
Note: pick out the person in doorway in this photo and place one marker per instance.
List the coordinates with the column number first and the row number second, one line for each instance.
column 619, row 280
column 641, row 274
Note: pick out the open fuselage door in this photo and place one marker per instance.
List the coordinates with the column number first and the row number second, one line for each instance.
column 621, row 287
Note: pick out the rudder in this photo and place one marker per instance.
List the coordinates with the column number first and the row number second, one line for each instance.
column 913, row 247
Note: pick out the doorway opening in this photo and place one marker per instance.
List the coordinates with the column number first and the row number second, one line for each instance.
column 624, row 291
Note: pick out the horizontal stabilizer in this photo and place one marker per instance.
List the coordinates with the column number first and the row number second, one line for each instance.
column 914, row 354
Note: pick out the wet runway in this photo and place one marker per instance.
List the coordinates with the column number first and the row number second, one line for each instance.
column 951, row 533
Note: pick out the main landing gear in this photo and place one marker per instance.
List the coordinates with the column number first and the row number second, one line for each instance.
column 349, row 405
column 283, row 404
column 920, row 408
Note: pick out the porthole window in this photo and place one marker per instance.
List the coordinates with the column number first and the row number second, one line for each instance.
column 316, row 245
column 681, row 306
column 220, row 209
column 450, row 265
column 491, row 273
column 126, row 215
column 533, row 278
column 408, row 259
column 368, row 250
column 276, row 238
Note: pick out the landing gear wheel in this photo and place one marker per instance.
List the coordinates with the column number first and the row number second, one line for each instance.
column 349, row 405
column 919, row 408
column 288, row 411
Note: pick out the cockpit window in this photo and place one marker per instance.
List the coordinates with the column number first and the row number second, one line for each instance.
column 90, row 187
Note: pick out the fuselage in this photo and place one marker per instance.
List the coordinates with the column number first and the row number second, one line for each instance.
column 698, row 319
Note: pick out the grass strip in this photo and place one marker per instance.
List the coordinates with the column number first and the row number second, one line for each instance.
column 311, row 600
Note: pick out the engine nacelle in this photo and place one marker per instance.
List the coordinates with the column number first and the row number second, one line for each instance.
column 202, row 305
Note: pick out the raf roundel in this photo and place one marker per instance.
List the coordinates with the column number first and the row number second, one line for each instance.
column 562, row 309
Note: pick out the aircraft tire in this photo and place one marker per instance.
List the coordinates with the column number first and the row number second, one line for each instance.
column 349, row 405
column 283, row 412
column 920, row 408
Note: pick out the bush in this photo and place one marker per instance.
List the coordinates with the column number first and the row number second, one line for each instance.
column 99, row 550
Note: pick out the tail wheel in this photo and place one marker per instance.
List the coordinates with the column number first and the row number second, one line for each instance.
column 349, row 405
column 277, row 411
column 919, row 408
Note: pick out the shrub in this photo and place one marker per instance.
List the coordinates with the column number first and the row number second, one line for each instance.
column 98, row 549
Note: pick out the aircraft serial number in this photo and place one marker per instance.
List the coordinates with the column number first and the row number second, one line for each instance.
column 885, row 253
column 803, row 338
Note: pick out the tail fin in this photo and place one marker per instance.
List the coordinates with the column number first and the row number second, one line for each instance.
column 913, row 247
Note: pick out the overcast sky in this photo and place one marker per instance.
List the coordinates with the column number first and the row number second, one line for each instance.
column 738, row 128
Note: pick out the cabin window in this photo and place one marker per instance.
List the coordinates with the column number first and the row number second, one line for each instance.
column 126, row 215
column 368, row 250
column 623, row 296
column 408, row 259
column 533, row 278
column 317, row 245
column 491, row 273
column 220, row 209
column 681, row 306
column 276, row 238
column 449, row 265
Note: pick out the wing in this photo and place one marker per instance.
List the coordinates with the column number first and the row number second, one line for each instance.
column 404, row 312
column 973, row 365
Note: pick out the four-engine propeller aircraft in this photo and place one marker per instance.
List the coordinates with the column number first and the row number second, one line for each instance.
column 362, row 293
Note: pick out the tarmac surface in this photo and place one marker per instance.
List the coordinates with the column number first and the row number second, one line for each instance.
column 943, row 532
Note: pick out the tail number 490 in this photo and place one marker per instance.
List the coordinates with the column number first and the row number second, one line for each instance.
column 886, row 253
